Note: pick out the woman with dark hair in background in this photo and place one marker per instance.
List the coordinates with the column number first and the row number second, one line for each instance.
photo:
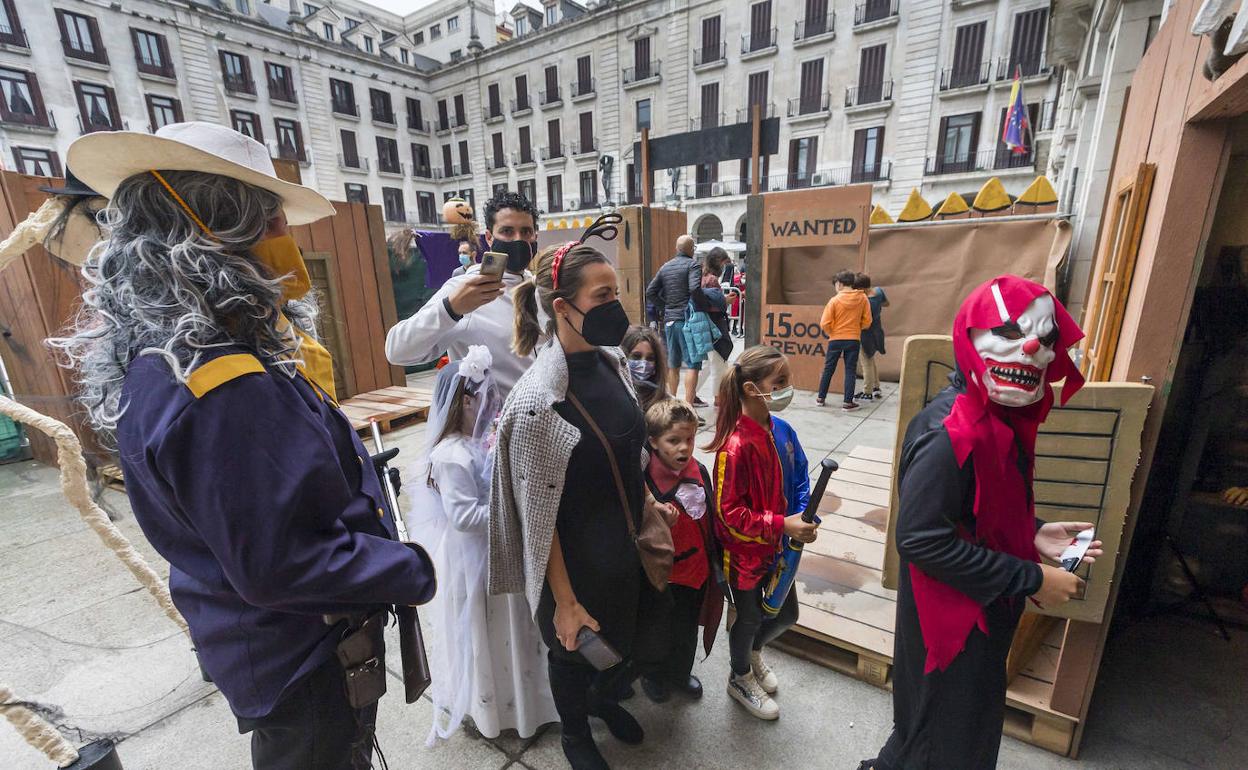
column 558, row 533
column 715, row 304
column 647, row 363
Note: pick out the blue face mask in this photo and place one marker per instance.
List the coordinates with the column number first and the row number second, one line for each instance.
column 465, row 259
column 641, row 369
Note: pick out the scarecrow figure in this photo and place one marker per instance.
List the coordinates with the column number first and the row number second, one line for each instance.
column 969, row 541
column 195, row 352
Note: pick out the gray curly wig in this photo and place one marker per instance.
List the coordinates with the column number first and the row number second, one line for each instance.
column 159, row 287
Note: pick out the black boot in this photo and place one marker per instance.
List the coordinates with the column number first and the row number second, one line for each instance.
column 691, row 686
column 655, row 689
column 582, row 752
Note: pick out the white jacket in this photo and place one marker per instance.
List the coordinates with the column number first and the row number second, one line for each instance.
column 423, row 337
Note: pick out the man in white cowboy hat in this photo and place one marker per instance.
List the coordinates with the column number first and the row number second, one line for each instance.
column 196, row 353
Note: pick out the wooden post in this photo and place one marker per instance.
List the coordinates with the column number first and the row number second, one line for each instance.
column 756, row 139
column 645, row 167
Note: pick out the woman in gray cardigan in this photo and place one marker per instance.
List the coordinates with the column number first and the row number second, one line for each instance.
column 557, row 528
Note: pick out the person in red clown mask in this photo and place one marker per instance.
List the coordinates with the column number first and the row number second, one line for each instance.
column 969, row 541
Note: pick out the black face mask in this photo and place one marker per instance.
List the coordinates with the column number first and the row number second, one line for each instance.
column 519, row 253
column 604, row 325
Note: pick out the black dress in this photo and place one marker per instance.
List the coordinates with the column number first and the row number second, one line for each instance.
column 601, row 559
column 949, row 718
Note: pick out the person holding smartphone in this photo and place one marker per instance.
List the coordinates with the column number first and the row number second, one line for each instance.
column 558, row 530
column 476, row 308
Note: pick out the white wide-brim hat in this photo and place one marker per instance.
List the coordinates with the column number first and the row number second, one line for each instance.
column 105, row 159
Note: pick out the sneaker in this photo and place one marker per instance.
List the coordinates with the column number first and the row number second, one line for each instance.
column 865, row 396
column 848, row 406
column 746, row 691
column 763, row 673
column 698, row 402
column 878, row 394
column 819, row 402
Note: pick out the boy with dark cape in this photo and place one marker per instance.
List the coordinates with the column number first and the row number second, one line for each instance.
column 969, row 542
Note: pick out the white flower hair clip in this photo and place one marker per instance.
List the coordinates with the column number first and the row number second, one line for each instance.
column 475, row 363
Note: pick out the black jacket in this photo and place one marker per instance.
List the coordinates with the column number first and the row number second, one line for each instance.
column 673, row 285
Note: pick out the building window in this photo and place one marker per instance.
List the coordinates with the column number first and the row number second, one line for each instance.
column 762, row 34
column 425, row 208
column 415, row 118
column 289, row 139
column 162, row 110
column 1027, row 45
column 461, row 114
column 452, row 24
column 803, row 158
column 552, row 15
column 80, row 37
column 382, row 108
column 812, row 98
column 584, row 76
column 589, row 188
column 710, row 105
column 444, row 117
column 247, row 124
column 526, row 146
column 243, row 7
column 494, row 100
column 1007, row 158
column 36, row 161
column 392, row 202
column 435, row 31
column 641, row 60
column 587, row 143
column 388, row 156
column 403, row 56
column 421, row 166
column 10, row 26
column 350, row 157
column 957, row 143
column 151, row 53
column 871, row 74
column 522, row 26
column 551, row 94
column 643, row 114
column 20, row 100
column 368, row 44
column 868, row 155
column 528, row 189
column 342, row 97
column 747, row 173
column 554, row 140
column 327, row 29
column 448, row 161
column 281, row 82
column 97, row 108
column 522, row 93
column 499, row 188
column 464, row 167
column 554, row 193
column 705, row 176
column 756, row 94
column 350, row 22
column 418, row 38
column 496, row 144
column 457, row 54
column 236, row 72
column 309, row 9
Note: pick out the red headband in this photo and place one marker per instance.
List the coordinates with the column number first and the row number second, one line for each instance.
column 560, row 253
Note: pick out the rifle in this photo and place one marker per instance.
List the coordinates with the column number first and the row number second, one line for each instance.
column 416, row 674
column 777, row 589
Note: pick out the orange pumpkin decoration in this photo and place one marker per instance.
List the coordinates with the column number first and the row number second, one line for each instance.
column 457, row 211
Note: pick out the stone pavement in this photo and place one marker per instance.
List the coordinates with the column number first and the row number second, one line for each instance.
column 79, row 637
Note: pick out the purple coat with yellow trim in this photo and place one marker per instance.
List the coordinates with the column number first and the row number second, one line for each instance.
column 255, row 488
column 750, row 504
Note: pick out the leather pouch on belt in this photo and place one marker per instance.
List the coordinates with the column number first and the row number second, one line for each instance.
column 362, row 654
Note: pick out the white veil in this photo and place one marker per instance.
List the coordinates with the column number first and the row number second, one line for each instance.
column 460, row 557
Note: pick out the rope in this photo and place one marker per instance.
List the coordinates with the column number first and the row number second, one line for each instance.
column 36, row 732
column 74, row 486
column 30, row 230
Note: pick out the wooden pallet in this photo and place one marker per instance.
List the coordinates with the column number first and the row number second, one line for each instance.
column 391, row 407
column 847, row 616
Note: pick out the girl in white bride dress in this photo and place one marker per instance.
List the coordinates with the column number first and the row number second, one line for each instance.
column 488, row 660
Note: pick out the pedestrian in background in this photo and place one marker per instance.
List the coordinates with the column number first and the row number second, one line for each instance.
column 843, row 320
column 669, row 292
column 715, row 263
column 872, row 337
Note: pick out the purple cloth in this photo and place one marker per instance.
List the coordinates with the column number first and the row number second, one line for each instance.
column 441, row 254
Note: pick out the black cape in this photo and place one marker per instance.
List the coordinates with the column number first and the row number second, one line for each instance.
column 950, row 718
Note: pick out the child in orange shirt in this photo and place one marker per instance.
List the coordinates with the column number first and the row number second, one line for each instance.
column 844, row 318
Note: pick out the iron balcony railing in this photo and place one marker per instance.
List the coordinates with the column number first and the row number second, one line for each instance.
column 497, row 162
column 710, row 54
column 551, row 152
column 813, row 27
column 238, row 84
column 86, row 126
column 418, row 126
column 163, row 69
column 1029, row 67
column 984, row 160
column 356, row 162
column 493, row 112
column 869, row 93
column 12, row 36
column 548, row 96
column 342, row 108
column 874, row 10
column 644, row 71
column 965, row 77
column 282, row 92
column 714, row 120
column 521, row 105
column 522, row 158
column 584, row 148
column 809, row 105
column 582, row 87
column 422, row 171
column 759, row 42
column 383, row 116
column 385, row 167
column 744, row 115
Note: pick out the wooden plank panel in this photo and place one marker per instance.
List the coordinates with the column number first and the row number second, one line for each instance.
column 851, row 491
column 857, row 550
column 367, row 265
column 1066, row 469
column 855, row 527
column 848, row 576
column 1066, row 445
column 326, row 237
column 1099, row 422
column 385, row 283
column 1059, row 493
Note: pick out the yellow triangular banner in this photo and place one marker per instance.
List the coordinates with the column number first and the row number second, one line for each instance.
column 916, row 209
column 879, row 216
column 1039, row 193
column 992, row 197
column 955, row 204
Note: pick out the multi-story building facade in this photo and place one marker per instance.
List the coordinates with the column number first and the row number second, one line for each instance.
column 898, row 93
column 1100, row 44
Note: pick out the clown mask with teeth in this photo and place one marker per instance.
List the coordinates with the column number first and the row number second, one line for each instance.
column 1017, row 352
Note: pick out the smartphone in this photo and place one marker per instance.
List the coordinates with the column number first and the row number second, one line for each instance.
column 493, row 263
column 595, row 649
column 1072, row 557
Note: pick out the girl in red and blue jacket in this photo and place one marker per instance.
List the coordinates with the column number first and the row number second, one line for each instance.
column 752, row 516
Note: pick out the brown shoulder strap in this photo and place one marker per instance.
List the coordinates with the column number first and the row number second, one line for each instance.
column 615, row 468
